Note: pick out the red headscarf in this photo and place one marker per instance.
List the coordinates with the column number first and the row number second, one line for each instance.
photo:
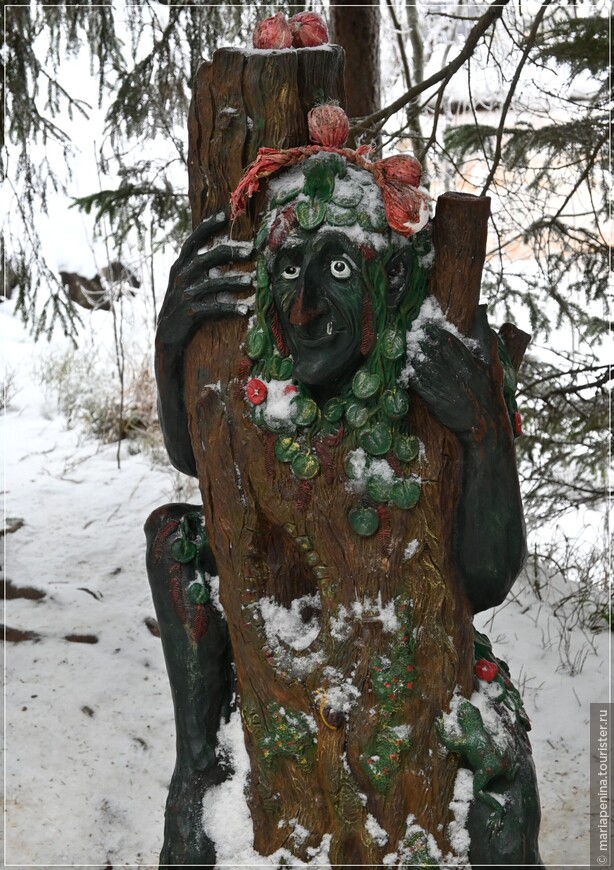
column 397, row 177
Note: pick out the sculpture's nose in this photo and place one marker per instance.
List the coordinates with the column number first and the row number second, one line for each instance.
column 308, row 304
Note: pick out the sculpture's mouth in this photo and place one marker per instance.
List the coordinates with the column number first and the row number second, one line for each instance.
column 321, row 337
column 318, row 333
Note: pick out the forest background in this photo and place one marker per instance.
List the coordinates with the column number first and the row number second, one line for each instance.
column 508, row 99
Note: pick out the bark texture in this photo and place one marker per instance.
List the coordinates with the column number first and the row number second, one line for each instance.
column 356, row 28
column 242, row 101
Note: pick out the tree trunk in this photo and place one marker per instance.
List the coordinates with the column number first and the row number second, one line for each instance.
column 392, row 635
column 242, row 101
column 356, row 28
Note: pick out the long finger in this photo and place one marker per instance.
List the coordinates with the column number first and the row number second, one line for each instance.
column 226, row 252
column 226, row 283
column 199, row 237
column 218, row 305
column 220, row 255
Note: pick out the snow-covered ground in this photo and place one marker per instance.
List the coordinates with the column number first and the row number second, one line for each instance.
column 89, row 738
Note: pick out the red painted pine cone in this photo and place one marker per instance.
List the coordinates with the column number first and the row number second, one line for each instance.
column 273, row 32
column 308, row 29
column 402, row 168
column 328, row 125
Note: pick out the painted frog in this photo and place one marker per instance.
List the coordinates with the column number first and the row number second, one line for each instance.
column 487, row 760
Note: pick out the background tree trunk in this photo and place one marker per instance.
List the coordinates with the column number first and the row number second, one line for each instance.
column 356, row 28
column 277, row 538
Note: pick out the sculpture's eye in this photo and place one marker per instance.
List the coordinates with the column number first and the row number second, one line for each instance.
column 340, row 269
column 291, row 273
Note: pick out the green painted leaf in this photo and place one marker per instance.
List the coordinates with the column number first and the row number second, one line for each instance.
column 395, row 403
column 405, row 494
column 364, row 521
column 356, row 415
column 373, row 219
column 328, row 430
column 198, row 593
column 350, row 197
column 320, row 176
column 379, row 221
column 255, row 343
column 278, row 427
column 310, row 214
column 393, row 343
column 365, row 384
column 303, row 411
column 406, row 447
column 305, row 466
column 281, row 368
column 350, row 468
column 286, row 448
column 379, row 489
column 183, row 551
column 284, row 196
column 340, row 217
column 333, row 410
column 377, row 440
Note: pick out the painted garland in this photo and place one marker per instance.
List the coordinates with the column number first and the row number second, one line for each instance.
column 370, row 416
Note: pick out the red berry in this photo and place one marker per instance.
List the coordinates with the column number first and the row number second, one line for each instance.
column 256, row 391
column 485, row 670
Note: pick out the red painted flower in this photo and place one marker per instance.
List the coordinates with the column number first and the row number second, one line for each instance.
column 256, row 391
column 485, row 670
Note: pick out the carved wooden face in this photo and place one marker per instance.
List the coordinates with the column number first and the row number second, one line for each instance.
column 318, row 288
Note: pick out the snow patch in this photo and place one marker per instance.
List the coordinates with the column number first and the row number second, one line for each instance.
column 278, row 405
column 341, row 694
column 226, row 818
column 410, row 550
column 375, row 831
column 287, row 625
column 458, row 835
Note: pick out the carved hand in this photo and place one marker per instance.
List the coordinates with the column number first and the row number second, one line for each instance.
column 463, row 389
column 456, row 382
column 194, row 294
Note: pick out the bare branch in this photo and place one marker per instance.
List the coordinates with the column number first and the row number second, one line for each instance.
column 490, row 17
column 529, row 43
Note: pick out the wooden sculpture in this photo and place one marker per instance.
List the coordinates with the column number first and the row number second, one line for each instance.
column 326, row 372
